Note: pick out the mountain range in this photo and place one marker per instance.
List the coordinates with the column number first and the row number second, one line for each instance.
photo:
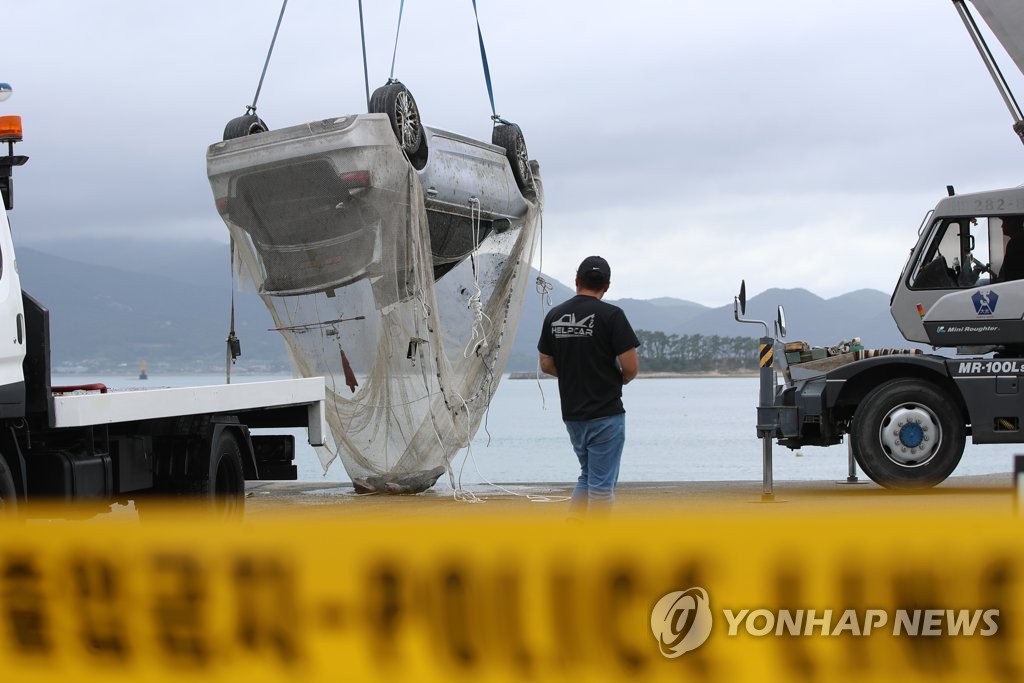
column 115, row 303
column 863, row 313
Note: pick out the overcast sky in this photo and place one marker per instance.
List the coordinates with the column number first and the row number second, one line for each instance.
column 692, row 143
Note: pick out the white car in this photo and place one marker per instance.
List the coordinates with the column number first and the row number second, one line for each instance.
column 314, row 198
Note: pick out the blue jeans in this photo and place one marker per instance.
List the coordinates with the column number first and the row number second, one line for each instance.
column 598, row 445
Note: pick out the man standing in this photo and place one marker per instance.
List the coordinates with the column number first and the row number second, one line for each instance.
column 591, row 347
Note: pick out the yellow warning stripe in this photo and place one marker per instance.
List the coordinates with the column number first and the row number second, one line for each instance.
column 765, row 355
column 487, row 598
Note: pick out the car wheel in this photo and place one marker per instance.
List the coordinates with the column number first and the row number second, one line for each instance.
column 395, row 100
column 510, row 137
column 377, row 100
column 239, row 127
column 908, row 434
column 8, row 494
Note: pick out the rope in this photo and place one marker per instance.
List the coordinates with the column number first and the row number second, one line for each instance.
column 461, row 495
column 544, row 289
column 487, row 71
column 366, row 73
column 478, row 333
column 232, row 339
column 394, row 53
column 251, row 109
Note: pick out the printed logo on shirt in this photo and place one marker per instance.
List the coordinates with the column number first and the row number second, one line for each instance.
column 567, row 326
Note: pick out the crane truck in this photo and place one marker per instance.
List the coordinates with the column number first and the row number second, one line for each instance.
column 87, row 445
column 907, row 414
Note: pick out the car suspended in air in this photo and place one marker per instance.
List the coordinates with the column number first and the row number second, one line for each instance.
column 310, row 196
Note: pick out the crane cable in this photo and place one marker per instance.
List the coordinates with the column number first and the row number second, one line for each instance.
column 232, row 342
column 251, row 109
column 394, row 53
column 362, row 39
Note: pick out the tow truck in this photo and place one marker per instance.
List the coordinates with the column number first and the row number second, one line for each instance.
column 94, row 447
column 907, row 414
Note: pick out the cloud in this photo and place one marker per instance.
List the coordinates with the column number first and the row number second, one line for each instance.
column 692, row 143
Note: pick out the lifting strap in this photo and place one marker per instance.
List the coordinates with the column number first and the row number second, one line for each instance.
column 487, row 72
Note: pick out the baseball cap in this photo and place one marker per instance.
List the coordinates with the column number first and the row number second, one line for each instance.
column 594, row 268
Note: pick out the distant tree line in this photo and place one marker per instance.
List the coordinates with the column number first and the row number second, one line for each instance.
column 660, row 352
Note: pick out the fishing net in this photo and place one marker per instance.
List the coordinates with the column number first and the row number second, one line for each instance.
column 406, row 307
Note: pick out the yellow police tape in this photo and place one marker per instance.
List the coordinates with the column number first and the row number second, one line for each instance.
column 480, row 597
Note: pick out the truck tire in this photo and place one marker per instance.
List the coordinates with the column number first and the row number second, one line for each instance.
column 908, row 434
column 226, row 485
column 8, row 494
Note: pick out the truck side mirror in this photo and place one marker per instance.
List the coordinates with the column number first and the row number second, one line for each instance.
column 742, row 298
column 780, row 323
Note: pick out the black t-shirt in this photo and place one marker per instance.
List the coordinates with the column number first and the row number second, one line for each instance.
column 585, row 337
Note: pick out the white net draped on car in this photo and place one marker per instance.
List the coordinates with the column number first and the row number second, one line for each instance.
column 409, row 317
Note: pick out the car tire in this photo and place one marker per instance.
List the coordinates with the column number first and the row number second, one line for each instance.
column 510, row 137
column 239, row 127
column 395, row 100
column 8, row 493
column 377, row 100
column 908, row 434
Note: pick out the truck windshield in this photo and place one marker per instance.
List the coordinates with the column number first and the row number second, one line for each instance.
column 966, row 252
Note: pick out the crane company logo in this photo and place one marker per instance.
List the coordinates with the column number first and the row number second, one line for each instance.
column 569, row 326
column 681, row 621
column 985, row 301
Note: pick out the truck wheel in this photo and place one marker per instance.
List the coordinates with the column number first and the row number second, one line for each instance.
column 226, row 485
column 907, row 434
column 8, row 494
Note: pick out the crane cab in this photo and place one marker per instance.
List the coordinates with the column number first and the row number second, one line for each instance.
column 963, row 285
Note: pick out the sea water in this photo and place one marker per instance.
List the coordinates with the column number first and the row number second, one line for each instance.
column 677, row 429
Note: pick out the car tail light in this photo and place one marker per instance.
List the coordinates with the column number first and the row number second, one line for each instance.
column 223, row 205
column 355, row 179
